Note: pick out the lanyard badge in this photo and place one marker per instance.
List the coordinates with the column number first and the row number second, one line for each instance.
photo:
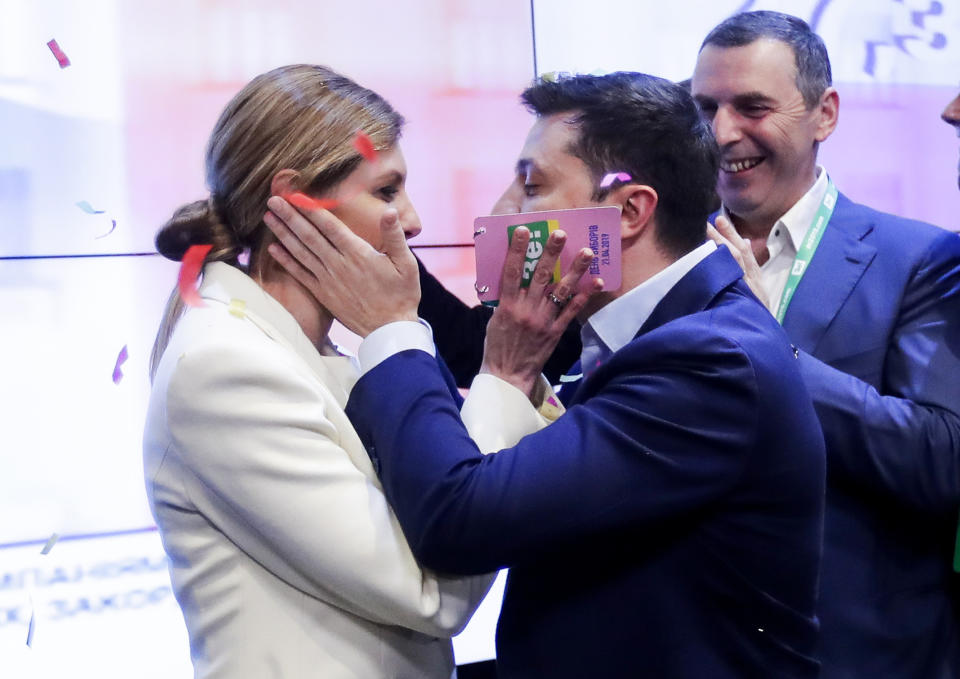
column 807, row 248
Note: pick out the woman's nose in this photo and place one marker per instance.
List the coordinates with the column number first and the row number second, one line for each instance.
column 410, row 221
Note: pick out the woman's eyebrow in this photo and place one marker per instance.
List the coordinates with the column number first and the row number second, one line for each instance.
column 391, row 176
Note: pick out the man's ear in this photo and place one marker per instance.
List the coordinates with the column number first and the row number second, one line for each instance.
column 829, row 111
column 638, row 202
column 284, row 182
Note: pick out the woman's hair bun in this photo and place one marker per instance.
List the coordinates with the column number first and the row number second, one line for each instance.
column 197, row 224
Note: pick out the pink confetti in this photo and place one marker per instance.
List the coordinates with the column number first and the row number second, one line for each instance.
column 58, row 53
column 117, row 373
column 609, row 179
column 305, row 202
column 364, row 146
column 189, row 271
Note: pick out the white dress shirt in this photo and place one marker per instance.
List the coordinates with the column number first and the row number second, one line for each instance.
column 785, row 238
column 613, row 326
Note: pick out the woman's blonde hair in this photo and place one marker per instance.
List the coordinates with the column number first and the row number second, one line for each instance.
column 300, row 117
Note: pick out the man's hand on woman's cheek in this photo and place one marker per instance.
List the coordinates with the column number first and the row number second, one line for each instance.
column 363, row 288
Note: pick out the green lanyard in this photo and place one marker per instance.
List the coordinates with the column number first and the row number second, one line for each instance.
column 956, row 552
column 807, row 248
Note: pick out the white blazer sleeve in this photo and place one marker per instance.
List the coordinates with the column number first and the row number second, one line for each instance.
column 270, row 472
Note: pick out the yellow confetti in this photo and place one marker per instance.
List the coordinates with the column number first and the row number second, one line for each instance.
column 551, row 409
column 238, row 308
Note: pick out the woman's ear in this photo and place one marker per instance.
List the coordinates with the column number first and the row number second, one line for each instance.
column 284, row 182
column 638, row 202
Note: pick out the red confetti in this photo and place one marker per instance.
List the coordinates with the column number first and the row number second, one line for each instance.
column 189, row 270
column 62, row 58
column 305, row 202
column 117, row 373
column 363, row 145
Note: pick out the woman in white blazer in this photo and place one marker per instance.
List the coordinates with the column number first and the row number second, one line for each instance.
column 284, row 555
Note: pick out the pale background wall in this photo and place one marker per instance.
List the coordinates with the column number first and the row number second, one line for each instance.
column 124, row 128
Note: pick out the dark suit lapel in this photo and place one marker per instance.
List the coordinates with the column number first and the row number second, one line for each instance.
column 695, row 291
column 837, row 266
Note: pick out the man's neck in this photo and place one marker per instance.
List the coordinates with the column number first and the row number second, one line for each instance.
column 756, row 229
column 638, row 266
column 759, row 224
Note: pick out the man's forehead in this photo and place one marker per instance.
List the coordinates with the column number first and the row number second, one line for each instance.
column 744, row 69
column 549, row 140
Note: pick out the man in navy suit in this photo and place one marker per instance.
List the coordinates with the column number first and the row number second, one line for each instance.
column 669, row 523
column 876, row 316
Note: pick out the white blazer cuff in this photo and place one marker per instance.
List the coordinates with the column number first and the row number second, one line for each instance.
column 497, row 414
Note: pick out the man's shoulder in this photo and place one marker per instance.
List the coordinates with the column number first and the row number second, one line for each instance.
column 734, row 323
column 885, row 228
column 902, row 247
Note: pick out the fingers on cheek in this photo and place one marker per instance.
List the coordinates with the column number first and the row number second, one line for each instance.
column 281, row 209
column 276, row 224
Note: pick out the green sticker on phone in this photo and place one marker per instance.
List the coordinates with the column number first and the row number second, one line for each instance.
column 539, row 233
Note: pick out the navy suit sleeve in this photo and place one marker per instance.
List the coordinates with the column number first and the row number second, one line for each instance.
column 659, row 440
column 904, row 439
column 459, row 332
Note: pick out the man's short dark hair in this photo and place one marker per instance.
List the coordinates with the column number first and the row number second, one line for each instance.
column 649, row 128
column 809, row 52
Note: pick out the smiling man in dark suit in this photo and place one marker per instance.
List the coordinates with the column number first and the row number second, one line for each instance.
column 669, row 523
column 874, row 307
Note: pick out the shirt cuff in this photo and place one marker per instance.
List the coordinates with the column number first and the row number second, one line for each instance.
column 497, row 414
column 391, row 339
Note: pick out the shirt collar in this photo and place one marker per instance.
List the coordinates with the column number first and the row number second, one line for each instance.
column 619, row 321
column 798, row 219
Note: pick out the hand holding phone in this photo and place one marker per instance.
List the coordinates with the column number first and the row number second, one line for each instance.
column 597, row 228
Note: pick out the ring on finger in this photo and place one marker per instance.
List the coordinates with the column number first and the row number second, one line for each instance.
column 558, row 301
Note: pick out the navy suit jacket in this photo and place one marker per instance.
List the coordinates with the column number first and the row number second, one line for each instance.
column 668, row 525
column 877, row 317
